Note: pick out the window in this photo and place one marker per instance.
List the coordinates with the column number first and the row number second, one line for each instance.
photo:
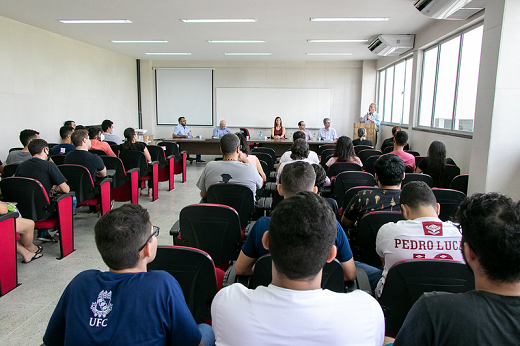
column 394, row 92
column 449, row 82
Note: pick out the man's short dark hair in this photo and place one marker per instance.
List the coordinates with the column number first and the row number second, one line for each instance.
column 93, row 132
column 321, row 177
column 299, row 149
column 27, row 135
column 229, row 143
column 417, row 193
column 300, row 122
column 179, row 120
column 65, row 131
column 401, row 138
column 68, row 123
column 105, row 125
column 78, row 136
column 301, row 234
column 120, row 233
column 490, row 225
column 325, row 120
column 36, row 146
column 296, row 177
column 390, row 169
column 298, row 135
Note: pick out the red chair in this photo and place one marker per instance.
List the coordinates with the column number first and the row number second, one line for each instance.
column 125, row 184
column 136, row 159
column 8, row 269
column 35, row 204
column 166, row 164
column 238, row 197
column 171, row 148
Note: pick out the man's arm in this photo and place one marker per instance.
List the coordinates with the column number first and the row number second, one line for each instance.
column 346, row 223
column 349, row 270
column 245, row 264
column 102, row 172
column 203, row 194
column 179, row 136
column 64, row 188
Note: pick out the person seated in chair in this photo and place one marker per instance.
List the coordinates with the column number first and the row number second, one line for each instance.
column 221, row 130
column 125, row 305
column 400, row 141
column 70, row 123
column 488, row 315
column 108, row 132
column 81, row 155
column 389, row 142
column 94, row 134
column 182, row 131
column 362, row 138
column 131, row 143
column 294, row 309
column 66, row 145
column 313, row 157
column 421, row 235
column 234, row 168
column 17, row 156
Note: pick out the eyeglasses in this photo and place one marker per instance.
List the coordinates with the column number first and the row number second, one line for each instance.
column 155, row 233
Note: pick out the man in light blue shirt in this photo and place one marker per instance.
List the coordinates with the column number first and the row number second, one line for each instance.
column 108, row 132
column 327, row 133
column 182, row 131
column 372, row 117
column 221, row 130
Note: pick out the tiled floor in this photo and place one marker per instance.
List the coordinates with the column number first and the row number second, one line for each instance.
column 25, row 311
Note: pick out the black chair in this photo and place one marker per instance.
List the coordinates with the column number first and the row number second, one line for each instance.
column 408, row 280
column 358, row 148
column 323, row 147
column 125, row 184
column 346, row 180
column 419, row 159
column 327, row 155
column 212, row 228
column 267, row 158
column 35, row 204
column 136, row 159
column 266, row 150
column 10, row 169
column 388, row 150
column 194, row 271
column 449, row 201
column 365, row 154
column 9, row 269
column 332, row 277
column 52, row 145
column 97, row 152
column 58, row 159
column 14, row 149
column 459, row 183
column 238, row 197
column 114, row 147
column 417, row 177
column 340, row 167
column 414, row 153
column 450, row 172
column 265, row 167
column 179, row 167
column 369, row 165
column 166, row 166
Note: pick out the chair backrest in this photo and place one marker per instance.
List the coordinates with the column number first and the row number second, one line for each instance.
column 134, row 159
column 157, row 154
column 265, row 167
column 80, row 181
column 265, row 157
column 14, row 149
column 414, row 153
column 238, row 197
column 325, row 157
column 450, row 172
column 388, row 149
column 115, row 163
column 32, row 199
column 365, row 154
column 339, row 167
column 332, row 276
column 459, row 183
column 408, row 280
column 97, row 152
column 266, row 150
column 10, row 169
column 352, row 192
column 115, row 148
column 323, row 147
column 417, row 177
column 369, row 165
column 194, row 271
column 346, row 180
column 245, row 132
column 171, row 149
column 212, row 228
column 365, row 242
column 418, row 160
column 449, row 201
column 358, row 148
column 58, row 159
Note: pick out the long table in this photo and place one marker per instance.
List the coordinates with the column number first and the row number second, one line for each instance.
column 212, row 146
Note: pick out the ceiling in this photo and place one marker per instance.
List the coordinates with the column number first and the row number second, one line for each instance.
column 284, row 25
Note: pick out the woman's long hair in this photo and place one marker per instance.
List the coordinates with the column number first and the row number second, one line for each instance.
column 129, row 136
column 280, row 122
column 436, row 161
column 244, row 146
column 344, row 150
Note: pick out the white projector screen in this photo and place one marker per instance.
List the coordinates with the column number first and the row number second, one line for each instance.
column 258, row 107
column 184, row 92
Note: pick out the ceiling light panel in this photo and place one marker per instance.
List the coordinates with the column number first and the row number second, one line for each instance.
column 237, row 41
column 95, row 21
column 350, row 19
column 167, row 53
column 337, row 41
column 141, row 41
column 224, row 20
column 323, row 54
column 247, row 53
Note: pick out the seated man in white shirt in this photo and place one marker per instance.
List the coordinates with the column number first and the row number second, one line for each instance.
column 221, row 130
column 108, row 132
column 421, row 235
column 327, row 133
column 313, row 157
column 293, row 309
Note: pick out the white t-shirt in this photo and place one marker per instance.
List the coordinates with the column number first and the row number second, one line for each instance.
column 283, row 164
column 278, row 316
column 313, row 157
column 233, row 172
column 425, row 237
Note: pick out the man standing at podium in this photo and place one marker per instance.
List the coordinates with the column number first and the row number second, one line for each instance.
column 372, row 117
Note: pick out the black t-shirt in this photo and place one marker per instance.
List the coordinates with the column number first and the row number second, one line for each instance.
column 389, row 142
column 362, row 142
column 82, row 157
column 138, row 146
column 46, row 172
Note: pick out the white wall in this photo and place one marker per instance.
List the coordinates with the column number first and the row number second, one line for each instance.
column 46, row 79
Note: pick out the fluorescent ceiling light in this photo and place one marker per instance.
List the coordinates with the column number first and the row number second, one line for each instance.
column 245, row 20
column 337, row 41
column 167, row 53
column 247, row 53
column 137, row 41
column 328, row 53
column 350, row 19
column 95, row 21
column 250, row 41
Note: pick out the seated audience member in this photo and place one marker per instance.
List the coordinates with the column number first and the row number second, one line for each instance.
column 96, row 308
column 234, row 168
column 344, row 152
column 490, row 225
column 278, row 131
column 287, row 155
column 293, row 309
column 70, row 123
column 321, row 178
column 1, row 167
column 362, row 138
column 66, row 145
column 299, row 152
column 17, row 156
column 82, row 157
column 221, row 130
column 308, row 134
column 108, row 132
column 297, row 177
column 422, row 226
column 400, row 141
column 389, row 142
column 389, row 172
column 25, row 229
column 182, row 131
column 252, row 159
column 94, row 134
column 435, row 164
column 327, row 133
column 132, row 144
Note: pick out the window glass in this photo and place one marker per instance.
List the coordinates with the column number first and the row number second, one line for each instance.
column 407, row 91
column 428, row 86
column 397, row 109
column 381, row 97
column 389, row 92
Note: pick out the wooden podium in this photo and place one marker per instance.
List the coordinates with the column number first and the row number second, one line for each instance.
column 371, row 131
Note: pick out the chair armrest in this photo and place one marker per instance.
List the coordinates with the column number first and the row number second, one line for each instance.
column 249, row 227
column 230, row 277
column 59, row 197
column 102, row 180
column 170, row 157
column 362, row 280
column 9, row 215
column 176, row 229
column 131, row 170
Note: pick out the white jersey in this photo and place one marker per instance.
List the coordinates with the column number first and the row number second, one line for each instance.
column 313, row 157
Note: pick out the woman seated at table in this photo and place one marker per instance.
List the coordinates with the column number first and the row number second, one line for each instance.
column 132, row 144
column 344, row 152
column 435, row 164
column 252, row 159
column 278, row 131
column 362, row 140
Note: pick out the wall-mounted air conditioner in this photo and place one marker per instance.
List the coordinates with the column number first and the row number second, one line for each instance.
column 386, row 45
column 449, row 9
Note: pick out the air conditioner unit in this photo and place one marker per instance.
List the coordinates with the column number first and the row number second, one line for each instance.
column 386, row 45
column 449, row 9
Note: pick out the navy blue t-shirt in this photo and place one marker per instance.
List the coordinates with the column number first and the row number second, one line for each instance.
column 82, row 157
column 57, row 149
